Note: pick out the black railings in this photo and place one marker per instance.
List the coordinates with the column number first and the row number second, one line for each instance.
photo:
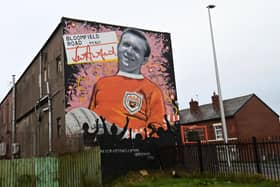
column 248, row 157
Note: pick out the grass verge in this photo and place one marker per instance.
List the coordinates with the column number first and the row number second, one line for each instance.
column 183, row 179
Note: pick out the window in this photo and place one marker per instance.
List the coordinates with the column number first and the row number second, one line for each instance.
column 218, row 131
column 194, row 133
column 58, row 126
column 45, row 75
column 58, row 64
column 201, row 133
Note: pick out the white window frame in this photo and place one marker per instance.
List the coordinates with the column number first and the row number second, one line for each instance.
column 218, row 129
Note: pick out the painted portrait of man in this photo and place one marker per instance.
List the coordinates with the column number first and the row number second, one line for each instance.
column 120, row 74
column 129, row 93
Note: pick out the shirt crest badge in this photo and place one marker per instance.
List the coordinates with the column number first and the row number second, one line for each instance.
column 132, row 102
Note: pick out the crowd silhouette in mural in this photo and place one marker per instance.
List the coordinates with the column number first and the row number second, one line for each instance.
column 111, row 138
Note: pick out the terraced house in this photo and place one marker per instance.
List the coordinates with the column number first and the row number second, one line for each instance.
column 246, row 116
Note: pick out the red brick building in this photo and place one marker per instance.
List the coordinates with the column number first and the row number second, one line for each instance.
column 246, row 116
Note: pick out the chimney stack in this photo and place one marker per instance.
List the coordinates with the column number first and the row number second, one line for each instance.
column 215, row 102
column 194, row 106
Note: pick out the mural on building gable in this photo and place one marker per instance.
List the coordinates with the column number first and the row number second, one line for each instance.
column 116, row 91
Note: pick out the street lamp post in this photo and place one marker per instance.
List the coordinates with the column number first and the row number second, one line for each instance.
column 219, row 87
column 217, row 78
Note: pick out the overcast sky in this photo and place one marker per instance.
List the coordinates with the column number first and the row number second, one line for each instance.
column 246, row 37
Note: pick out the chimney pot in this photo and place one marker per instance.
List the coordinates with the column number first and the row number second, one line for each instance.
column 194, row 107
column 215, row 102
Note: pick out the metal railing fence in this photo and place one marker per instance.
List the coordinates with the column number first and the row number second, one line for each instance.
column 239, row 157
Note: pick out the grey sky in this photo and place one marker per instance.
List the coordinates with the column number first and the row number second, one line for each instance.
column 246, row 35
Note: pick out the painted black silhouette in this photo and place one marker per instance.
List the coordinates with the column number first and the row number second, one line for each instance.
column 89, row 138
column 153, row 128
column 167, row 137
column 113, row 138
column 138, row 141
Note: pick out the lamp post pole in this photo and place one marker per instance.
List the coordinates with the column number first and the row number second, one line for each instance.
column 217, row 78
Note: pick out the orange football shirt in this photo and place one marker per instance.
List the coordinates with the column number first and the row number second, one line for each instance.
column 116, row 97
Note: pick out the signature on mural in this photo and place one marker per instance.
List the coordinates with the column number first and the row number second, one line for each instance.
column 87, row 53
